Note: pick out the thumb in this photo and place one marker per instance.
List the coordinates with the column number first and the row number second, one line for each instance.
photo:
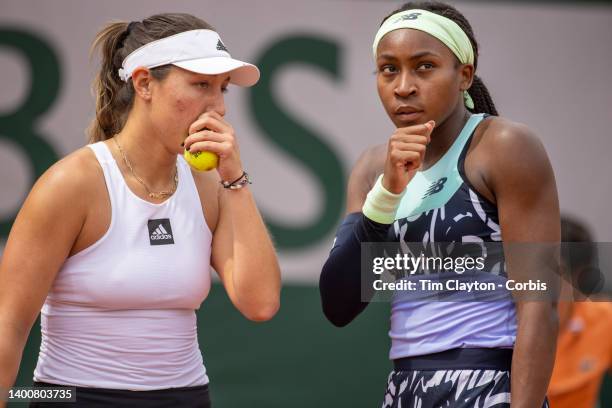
column 430, row 127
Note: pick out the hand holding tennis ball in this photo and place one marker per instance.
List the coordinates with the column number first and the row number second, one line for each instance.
column 211, row 144
column 201, row 161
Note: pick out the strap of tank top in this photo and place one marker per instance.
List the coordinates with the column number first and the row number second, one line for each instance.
column 464, row 136
column 106, row 160
column 102, row 152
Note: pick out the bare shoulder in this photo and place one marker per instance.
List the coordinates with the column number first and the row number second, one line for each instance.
column 368, row 166
column 516, row 157
column 207, row 184
column 60, row 201
column 511, row 147
column 74, row 179
column 504, row 136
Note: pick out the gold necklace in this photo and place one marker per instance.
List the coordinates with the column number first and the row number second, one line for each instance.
column 152, row 194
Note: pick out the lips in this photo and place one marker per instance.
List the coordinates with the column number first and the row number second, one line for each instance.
column 408, row 113
column 407, row 110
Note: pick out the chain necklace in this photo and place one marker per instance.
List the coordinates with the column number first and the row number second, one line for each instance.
column 152, row 194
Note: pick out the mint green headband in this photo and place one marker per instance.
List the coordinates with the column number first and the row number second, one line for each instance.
column 444, row 29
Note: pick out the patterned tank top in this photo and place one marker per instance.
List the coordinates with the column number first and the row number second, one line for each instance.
column 441, row 206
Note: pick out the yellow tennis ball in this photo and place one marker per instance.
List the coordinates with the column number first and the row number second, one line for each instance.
column 201, row 161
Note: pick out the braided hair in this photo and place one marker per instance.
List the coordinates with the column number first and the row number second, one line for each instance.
column 483, row 103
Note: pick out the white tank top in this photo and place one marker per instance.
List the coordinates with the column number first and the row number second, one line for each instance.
column 121, row 313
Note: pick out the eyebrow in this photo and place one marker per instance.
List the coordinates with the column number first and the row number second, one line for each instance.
column 418, row 55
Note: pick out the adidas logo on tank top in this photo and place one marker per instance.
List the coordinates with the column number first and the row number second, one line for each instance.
column 160, row 232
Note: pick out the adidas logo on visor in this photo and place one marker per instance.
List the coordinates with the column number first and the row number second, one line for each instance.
column 221, row 46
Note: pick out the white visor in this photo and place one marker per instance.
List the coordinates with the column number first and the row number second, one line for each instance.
column 200, row 51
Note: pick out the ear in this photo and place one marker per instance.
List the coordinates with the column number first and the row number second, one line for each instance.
column 466, row 72
column 141, row 81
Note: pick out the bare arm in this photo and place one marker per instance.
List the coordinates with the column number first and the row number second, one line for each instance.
column 244, row 257
column 370, row 164
column 31, row 259
column 242, row 251
column 524, row 186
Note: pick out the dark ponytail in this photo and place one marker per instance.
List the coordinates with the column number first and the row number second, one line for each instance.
column 483, row 103
column 114, row 98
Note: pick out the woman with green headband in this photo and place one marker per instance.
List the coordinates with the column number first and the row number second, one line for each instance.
column 453, row 171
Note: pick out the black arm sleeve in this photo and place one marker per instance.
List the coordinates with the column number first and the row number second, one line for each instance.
column 340, row 281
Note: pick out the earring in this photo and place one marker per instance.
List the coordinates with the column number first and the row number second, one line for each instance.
column 467, row 99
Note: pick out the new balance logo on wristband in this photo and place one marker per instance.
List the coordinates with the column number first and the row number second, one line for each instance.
column 160, row 232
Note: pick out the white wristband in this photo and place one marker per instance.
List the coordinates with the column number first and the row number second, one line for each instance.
column 381, row 205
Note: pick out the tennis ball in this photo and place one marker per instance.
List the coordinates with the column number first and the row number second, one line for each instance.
column 201, row 161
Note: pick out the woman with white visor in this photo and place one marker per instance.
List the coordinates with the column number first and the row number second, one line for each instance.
column 115, row 241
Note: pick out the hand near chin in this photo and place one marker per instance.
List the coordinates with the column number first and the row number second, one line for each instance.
column 405, row 153
column 210, row 132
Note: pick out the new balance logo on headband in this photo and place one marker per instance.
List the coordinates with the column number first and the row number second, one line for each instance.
column 411, row 16
column 221, row 46
column 160, row 232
